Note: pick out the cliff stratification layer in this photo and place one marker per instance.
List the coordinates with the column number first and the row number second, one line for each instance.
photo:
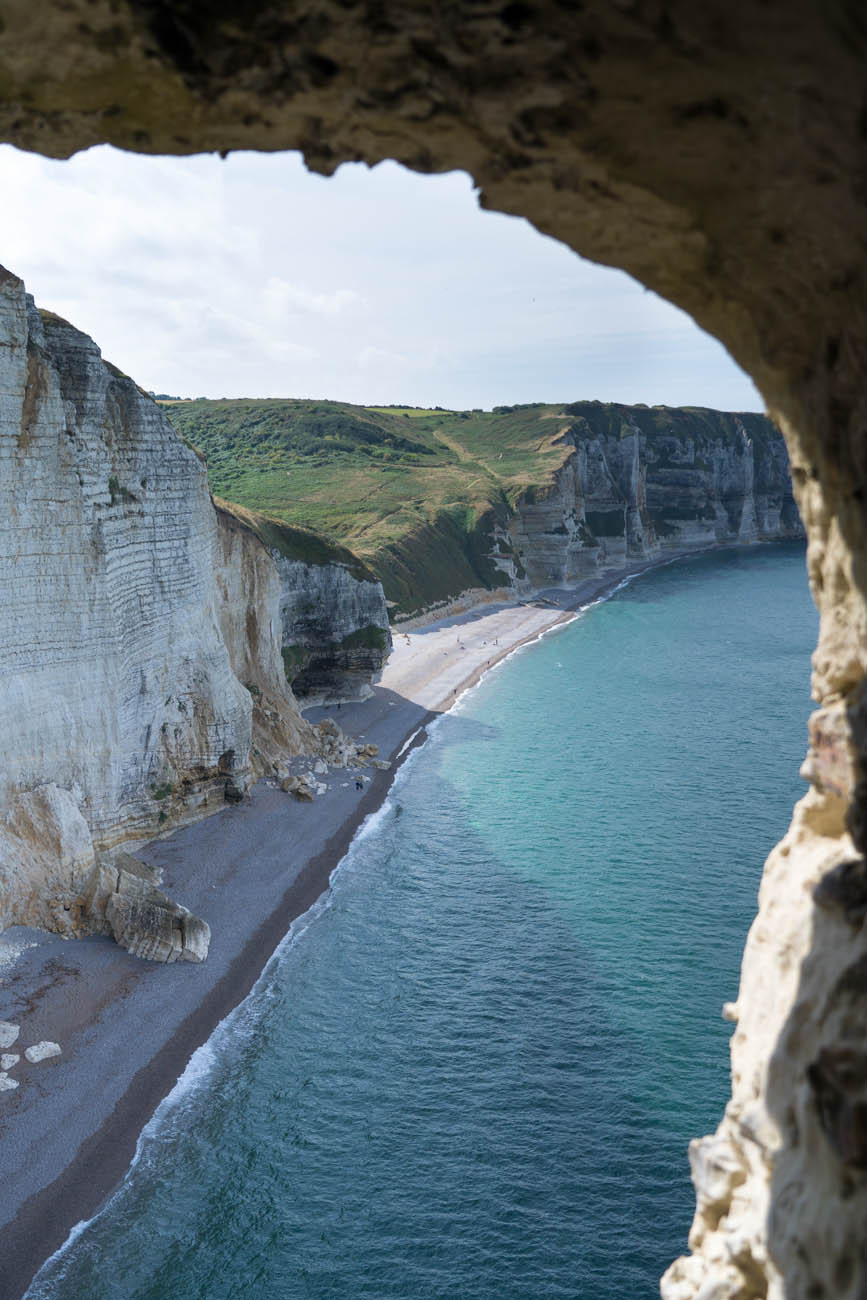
column 138, row 627
column 642, row 481
column 336, row 637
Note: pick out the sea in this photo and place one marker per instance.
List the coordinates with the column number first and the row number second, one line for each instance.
column 473, row 1069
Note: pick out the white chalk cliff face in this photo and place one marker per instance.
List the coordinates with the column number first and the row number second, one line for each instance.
column 335, row 624
column 629, row 493
column 132, row 622
column 252, row 595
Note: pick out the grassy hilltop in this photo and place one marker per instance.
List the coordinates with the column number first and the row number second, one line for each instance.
column 413, row 492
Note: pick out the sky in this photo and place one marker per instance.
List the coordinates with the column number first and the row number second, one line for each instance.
column 251, row 277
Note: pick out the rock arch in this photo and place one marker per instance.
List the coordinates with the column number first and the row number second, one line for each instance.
column 718, row 152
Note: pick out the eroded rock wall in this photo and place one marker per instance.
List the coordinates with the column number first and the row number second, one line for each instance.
column 132, row 622
column 640, row 483
column 251, row 589
column 335, row 629
column 116, row 676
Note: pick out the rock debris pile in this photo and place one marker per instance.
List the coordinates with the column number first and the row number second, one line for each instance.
column 336, row 750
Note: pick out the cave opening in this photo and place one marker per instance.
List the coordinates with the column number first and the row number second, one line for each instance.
column 716, row 155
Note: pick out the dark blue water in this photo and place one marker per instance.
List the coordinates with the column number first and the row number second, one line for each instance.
column 474, row 1071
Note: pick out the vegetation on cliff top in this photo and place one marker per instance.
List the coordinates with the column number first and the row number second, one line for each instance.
column 296, row 543
column 414, row 492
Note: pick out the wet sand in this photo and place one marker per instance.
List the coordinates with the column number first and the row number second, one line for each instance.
column 128, row 1028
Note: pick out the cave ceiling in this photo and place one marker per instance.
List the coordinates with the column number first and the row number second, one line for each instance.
column 716, row 151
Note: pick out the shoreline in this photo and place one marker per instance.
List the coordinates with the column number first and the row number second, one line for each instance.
column 128, row 1028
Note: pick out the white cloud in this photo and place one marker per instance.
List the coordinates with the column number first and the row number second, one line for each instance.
column 281, row 298
column 380, row 358
column 252, row 277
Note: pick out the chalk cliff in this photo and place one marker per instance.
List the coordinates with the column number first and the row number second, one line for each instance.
column 333, row 628
column 142, row 677
column 645, row 480
column 336, row 637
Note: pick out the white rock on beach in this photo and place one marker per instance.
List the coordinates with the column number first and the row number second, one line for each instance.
column 7, row 1084
column 8, row 1033
column 299, row 786
column 8, row 1060
column 41, row 1051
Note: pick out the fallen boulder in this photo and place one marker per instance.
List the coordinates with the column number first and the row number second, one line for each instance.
column 8, row 1033
column 298, row 786
column 42, row 1051
column 123, row 899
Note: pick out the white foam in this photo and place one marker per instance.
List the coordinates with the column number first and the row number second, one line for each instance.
column 406, row 744
column 34, row 1291
column 368, row 827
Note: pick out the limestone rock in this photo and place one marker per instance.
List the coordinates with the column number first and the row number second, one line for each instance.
column 107, row 515
column 156, row 929
column 196, row 936
column 46, row 854
column 8, row 1060
column 7, row 1084
column 299, row 786
column 250, row 612
column 667, row 141
column 337, row 749
column 123, row 899
column 42, row 1051
column 641, row 482
column 335, row 628
column 145, row 685
column 134, row 869
column 8, row 1033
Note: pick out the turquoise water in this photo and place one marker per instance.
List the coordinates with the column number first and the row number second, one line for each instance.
column 473, row 1072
